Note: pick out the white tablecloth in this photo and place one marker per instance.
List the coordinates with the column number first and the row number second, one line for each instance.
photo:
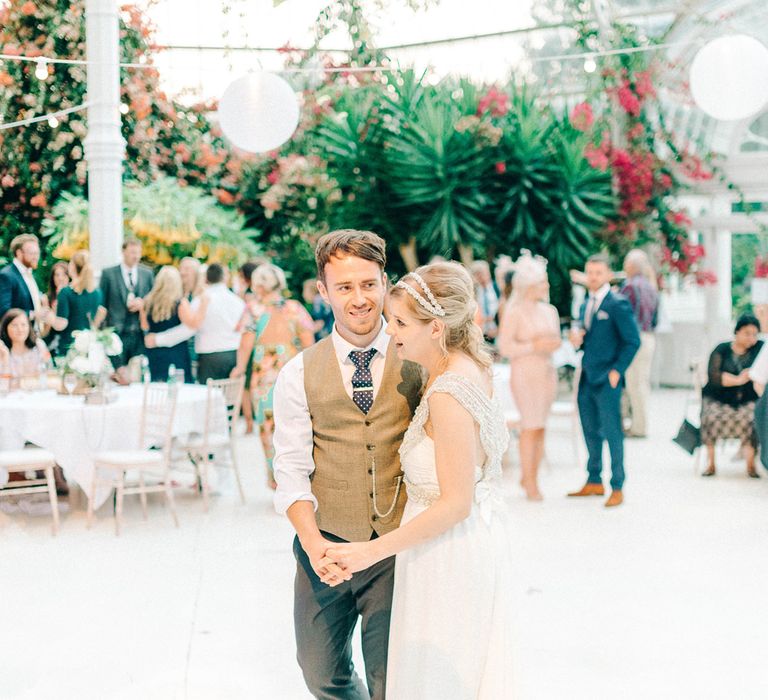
column 74, row 432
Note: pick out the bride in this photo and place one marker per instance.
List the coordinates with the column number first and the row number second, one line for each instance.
column 450, row 633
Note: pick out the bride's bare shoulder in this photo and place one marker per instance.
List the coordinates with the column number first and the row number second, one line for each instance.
column 466, row 367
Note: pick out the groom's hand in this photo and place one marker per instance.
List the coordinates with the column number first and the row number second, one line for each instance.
column 327, row 570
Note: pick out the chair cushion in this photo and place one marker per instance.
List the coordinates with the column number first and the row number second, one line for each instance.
column 32, row 457
column 132, row 458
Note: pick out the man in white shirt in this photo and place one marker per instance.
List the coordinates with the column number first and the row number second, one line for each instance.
column 341, row 408
column 217, row 337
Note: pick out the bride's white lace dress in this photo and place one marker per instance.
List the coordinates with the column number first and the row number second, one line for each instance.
column 450, row 634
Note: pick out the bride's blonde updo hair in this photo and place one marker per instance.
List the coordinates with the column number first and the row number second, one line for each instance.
column 449, row 296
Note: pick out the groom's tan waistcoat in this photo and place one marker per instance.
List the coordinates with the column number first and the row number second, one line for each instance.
column 346, row 441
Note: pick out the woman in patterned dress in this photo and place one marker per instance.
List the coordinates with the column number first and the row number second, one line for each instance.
column 728, row 399
column 275, row 329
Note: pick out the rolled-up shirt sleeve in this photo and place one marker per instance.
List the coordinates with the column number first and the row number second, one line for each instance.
column 293, row 463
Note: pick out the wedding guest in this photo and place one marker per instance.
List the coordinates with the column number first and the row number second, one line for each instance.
column 218, row 336
column 22, row 354
column 166, row 307
column 729, row 396
column 123, row 288
column 80, row 303
column 487, row 297
column 502, row 279
column 506, row 291
column 20, row 348
column 610, row 339
column 245, row 272
column 529, row 333
column 276, row 330
column 18, row 287
column 321, row 313
column 641, row 291
column 57, row 280
column 191, row 279
column 245, row 292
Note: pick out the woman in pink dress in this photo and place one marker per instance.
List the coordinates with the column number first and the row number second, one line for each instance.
column 529, row 333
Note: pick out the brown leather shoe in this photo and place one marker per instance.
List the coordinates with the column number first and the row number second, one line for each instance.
column 615, row 499
column 589, row 490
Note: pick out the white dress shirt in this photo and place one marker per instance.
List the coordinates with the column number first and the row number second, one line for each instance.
column 293, row 443
column 218, row 331
column 758, row 372
column 29, row 280
column 130, row 274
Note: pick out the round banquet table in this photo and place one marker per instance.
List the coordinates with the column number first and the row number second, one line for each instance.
column 74, row 431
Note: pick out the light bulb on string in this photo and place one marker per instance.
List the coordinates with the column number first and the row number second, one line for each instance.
column 124, row 108
column 41, row 70
column 590, row 66
column 53, row 122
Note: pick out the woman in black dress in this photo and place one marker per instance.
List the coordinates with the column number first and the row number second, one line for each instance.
column 165, row 307
column 728, row 399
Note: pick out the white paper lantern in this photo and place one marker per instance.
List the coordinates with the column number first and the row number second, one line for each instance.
column 729, row 77
column 258, row 112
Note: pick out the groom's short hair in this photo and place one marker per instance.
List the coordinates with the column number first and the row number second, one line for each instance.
column 362, row 244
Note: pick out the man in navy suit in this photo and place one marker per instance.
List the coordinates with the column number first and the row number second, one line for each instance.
column 18, row 288
column 610, row 339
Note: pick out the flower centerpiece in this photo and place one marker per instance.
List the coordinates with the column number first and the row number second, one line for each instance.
column 88, row 358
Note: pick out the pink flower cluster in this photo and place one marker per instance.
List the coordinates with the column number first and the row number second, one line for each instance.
column 494, row 102
column 761, row 267
column 582, row 117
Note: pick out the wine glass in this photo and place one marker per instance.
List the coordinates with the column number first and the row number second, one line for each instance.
column 70, row 382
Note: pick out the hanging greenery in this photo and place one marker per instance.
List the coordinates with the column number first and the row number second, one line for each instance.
column 170, row 220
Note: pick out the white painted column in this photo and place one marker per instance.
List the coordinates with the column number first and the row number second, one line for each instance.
column 719, row 306
column 104, row 144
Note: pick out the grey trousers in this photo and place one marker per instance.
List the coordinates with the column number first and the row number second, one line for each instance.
column 325, row 618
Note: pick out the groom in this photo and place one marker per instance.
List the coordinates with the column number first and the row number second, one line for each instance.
column 341, row 408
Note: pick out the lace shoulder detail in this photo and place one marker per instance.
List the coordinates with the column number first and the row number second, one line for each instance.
column 486, row 412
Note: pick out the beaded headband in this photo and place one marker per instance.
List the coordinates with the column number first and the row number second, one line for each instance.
column 432, row 306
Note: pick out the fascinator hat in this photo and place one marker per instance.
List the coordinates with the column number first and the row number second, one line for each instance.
column 529, row 270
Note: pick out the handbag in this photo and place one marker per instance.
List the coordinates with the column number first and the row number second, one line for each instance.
column 688, row 436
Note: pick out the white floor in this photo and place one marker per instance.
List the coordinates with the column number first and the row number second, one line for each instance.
column 661, row 598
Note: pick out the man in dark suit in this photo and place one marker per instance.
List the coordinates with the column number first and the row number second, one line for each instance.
column 18, row 288
column 123, row 288
column 610, row 339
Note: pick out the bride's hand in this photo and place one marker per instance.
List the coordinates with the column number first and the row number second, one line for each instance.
column 352, row 556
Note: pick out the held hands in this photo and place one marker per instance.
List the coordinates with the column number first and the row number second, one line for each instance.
column 327, row 570
column 149, row 340
column 342, row 559
column 135, row 305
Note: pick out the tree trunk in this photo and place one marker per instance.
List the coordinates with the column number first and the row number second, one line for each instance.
column 408, row 254
column 465, row 254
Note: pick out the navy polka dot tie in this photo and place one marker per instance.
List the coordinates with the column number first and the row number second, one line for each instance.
column 362, row 380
